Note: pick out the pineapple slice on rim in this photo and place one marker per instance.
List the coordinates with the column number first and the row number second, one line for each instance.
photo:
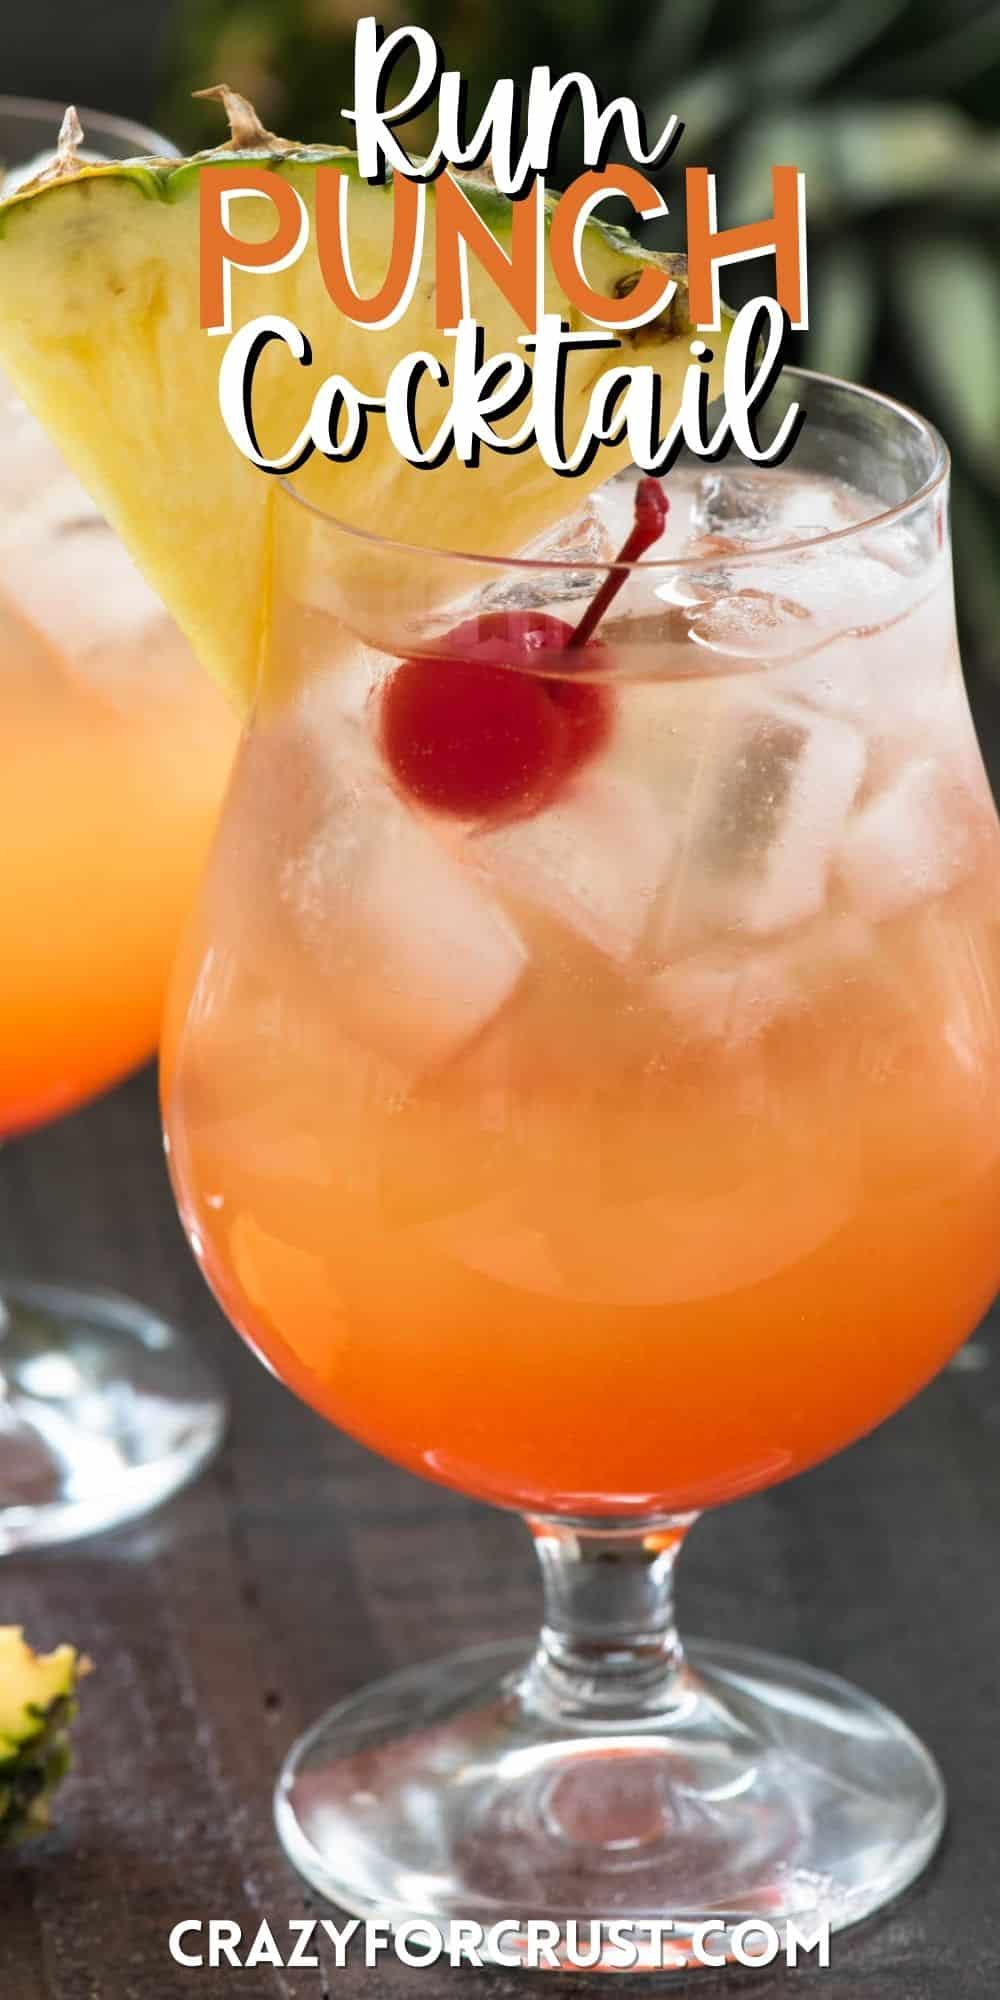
column 99, row 330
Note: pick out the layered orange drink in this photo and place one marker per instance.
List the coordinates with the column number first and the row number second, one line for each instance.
column 625, row 1141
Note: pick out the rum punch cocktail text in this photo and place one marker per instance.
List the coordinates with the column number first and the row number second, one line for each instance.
column 480, row 388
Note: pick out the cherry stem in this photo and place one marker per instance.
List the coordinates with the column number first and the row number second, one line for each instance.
column 651, row 510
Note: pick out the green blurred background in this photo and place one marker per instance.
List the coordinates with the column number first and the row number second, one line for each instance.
column 892, row 108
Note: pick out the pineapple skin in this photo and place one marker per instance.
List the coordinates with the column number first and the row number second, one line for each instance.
column 37, row 1706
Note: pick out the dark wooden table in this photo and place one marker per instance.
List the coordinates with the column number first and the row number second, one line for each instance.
column 300, row 1567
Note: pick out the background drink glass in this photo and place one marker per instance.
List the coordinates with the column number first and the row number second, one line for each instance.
column 116, row 750
column 615, row 1155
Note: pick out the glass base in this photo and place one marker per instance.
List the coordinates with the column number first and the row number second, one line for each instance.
column 105, row 1410
column 771, row 1790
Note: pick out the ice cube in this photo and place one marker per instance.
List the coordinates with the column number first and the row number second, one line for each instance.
column 846, row 589
column 73, row 581
column 594, row 860
column 899, row 681
column 732, row 992
column 417, row 958
column 854, row 583
column 725, row 994
column 738, row 506
column 344, row 675
column 748, row 623
column 578, row 550
column 795, row 784
column 906, row 546
column 764, row 830
column 612, row 506
column 911, row 841
column 589, row 534
column 767, row 507
column 63, row 568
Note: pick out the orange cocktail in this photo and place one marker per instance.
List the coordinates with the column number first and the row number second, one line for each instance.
column 116, row 755
column 581, row 1082
column 636, row 1146
column 115, row 759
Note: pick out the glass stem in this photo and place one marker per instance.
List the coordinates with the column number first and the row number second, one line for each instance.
column 609, row 1653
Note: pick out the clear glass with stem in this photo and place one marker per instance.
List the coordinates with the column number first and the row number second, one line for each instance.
column 580, row 1084
column 116, row 752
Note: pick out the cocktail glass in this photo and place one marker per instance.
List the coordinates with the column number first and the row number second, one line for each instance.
column 611, row 1154
column 116, row 751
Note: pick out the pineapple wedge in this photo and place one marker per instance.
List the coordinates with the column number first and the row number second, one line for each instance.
column 99, row 330
column 37, row 1704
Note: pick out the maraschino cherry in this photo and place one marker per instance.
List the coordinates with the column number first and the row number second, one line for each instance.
column 464, row 734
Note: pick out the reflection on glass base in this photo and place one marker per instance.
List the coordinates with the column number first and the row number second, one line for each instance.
column 105, row 1410
column 771, row 1791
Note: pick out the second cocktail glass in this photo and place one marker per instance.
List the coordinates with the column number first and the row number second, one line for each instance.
column 612, row 1145
column 116, row 750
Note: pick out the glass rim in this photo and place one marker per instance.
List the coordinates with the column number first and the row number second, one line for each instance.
column 767, row 551
column 152, row 144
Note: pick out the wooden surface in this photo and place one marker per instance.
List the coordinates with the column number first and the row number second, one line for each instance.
column 300, row 1567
